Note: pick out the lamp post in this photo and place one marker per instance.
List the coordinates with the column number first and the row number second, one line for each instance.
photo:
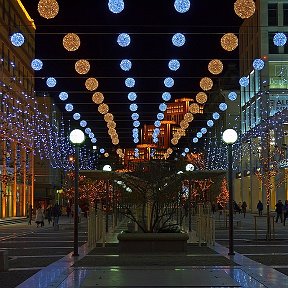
column 77, row 137
column 189, row 167
column 229, row 136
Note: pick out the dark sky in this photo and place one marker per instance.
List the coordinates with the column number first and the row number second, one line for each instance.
column 151, row 25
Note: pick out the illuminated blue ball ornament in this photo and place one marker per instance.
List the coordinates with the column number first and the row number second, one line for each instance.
column 232, row 96
column 69, row 107
column 199, row 135
column 63, row 96
column 51, row 82
column 136, row 123
column 279, row 39
column 166, row 96
column 130, row 82
column 17, row 39
column 132, row 96
column 178, row 40
column 169, row 82
column 223, row 106
column 210, row 123
column 102, row 150
column 216, row 115
column 123, row 40
column 125, row 65
column 36, row 64
column 157, row 123
column 160, row 116
column 116, row 6
column 93, row 140
column 76, row 116
column 135, row 116
column 174, row 65
column 88, row 130
column 133, row 107
column 182, row 6
column 162, row 107
column 186, row 150
column 244, row 81
column 83, row 123
column 203, row 130
column 195, row 140
column 258, row 64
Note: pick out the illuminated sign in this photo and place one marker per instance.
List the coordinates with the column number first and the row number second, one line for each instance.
column 278, row 103
column 278, row 74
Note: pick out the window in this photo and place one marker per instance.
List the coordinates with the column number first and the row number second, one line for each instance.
column 285, row 14
column 272, row 14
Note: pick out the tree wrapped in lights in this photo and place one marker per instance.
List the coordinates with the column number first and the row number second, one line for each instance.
column 223, row 198
column 197, row 159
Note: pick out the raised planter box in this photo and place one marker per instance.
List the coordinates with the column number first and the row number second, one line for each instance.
column 152, row 242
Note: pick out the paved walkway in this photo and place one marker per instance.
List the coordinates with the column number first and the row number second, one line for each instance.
column 201, row 267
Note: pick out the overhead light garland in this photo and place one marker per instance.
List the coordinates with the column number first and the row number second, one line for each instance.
column 229, row 42
column 215, row 66
column 206, row 83
column 91, row 84
column 82, row 66
column 71, row 42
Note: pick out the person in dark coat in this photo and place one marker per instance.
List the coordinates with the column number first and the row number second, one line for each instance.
column 30, row 213
column 260, row 208
column 279, row 210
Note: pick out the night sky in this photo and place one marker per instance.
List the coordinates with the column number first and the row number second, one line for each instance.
column 151, row 25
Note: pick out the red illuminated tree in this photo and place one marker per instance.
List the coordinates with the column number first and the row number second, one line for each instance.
column 223, row 197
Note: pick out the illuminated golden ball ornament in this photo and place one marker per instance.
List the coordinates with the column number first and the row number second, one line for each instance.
column 194, row 108
column 244, row 8
column 206, row 83
column 169, row 150
column 115, row 141
column 97, row 97
column 48, row 8
column 174, row 141
column 103, row 108
column 82, row 66
column 184, row 124
column 215, row 66
column 111, row 124
column 188, row 117
column 201, row 97
column 108, row 117
column 91, row 84
column 106, row 154
column 71, row 42
column 119, row 151
column 229, row 42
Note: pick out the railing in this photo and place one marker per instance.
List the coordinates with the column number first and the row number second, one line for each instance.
column 96, row 227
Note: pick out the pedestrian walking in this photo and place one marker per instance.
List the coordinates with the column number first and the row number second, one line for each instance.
column 56, row 214
column 244, row 207
column 49, row 212
column 260, row 208
column 30, row 213
column 39, row 219
column 279, row 210
column 285, row 211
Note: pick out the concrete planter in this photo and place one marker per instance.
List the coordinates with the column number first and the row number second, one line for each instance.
column 152, row 242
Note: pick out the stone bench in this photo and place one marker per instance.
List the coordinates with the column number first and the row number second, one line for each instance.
column 152, row 242
column 4, row 260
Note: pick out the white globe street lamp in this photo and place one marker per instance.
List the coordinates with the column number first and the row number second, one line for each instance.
column 107, row 168
column 189, row 167
column 230, row 136
column 77, row 137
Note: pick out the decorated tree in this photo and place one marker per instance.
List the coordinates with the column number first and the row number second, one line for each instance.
column 223, row 198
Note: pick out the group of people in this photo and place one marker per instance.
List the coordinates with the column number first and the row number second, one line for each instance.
column 51, row 213
column 240, row 207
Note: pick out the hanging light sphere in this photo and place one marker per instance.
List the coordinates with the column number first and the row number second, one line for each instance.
column 129, row 82
column 48, row 8
column 102, row 150
column 182, row 6
column 93, row 140
column 229, row 42
column 174, row 141
column 98, row 98
column 103, row 108
column 210, row 123
column 115, row 141
column 116, row 6
column 244, row 8
column 119, row 151
column 188, row 117
column 169, row 82
column 71, row 42
column 206, row 83
column 123, row 40
column 157, row 123
column 223, row 106
column 186, row 150
column 136, row 123
column 157, row 131
column 125, row 65
column 195, row 140
column 136, row 140
column 279, row 39
column 63, row 96
column 135, row 116
column 194, row 108
column 199, row 135
column 184, row 124
column 69, row 107
column 215, row 115
column 215, row 66
column 17, row 39
column 244, row 81
column 174, row 65
column 108, row 117
column 133, row 107
column 88, row 130
column 203, row 130
column 132, row 96
column 201, row 97
column 135, row 131
column 162, row 107
column 178, row 39
column 232, row 96
column 111, row 124
column 76, row 116
column 166, row 96
column 82, row 66
column 91, row 84
column 83, row 123
column 51, row 82
column 90, row 135
column 160, row 116
column 258, row 64
column 36, row 64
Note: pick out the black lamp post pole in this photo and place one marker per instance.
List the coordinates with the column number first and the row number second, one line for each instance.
column 230, row 184
column 76, row 196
